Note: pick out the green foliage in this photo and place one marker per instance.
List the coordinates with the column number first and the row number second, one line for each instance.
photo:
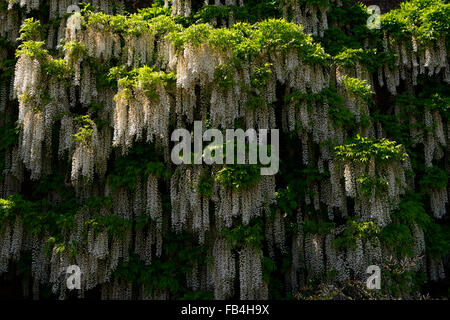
column 8, row 137
column 114, row 225
column 411, row 212
column 99, row 20
column 246, row 235
column 350, row 13
column 322, row 227
column 205, row 184
column 164, row 25
column 358, row 88
column 224, row 75
column 247, row 41
column 252, row 11
column 147, row 79
column 398, row 234
column 437, row 239
column 286, row 200
column 144, row 78
column 58, row 68
column 364, row 230
column 425, row 19
column 339, row 114
column 154, row 11
column 167, row 273
column 348, row 27
column 37, row 216
column 85, row 128
column 6, row 69
column 141, row 160
column 261, row 76
column 155, row 19
column 30, row 30
column 362, row 149
column 268, row 267
column 432, row 97
column 208, row 12
column 399, row 280
column 399, row 237
column 33, row 49
column 367, row 184
column 371, row 58
column 434, row 177
column 75, row 49
column 239, row 176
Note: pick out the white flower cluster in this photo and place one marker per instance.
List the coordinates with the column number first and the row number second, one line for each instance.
column 336, row 260
column 312, row 127
column 147, row 201
column 190, row 210
column 430, row 60
column 5, row 247
column 39, row 261
column 10, row 25
column 252, row 285
column 353, row 260
column 419, row 247
column 357, row 105
column 195, row 66
column 314, row 257
column 13, row 172
column 312, row 18
column 97, row 259
column 274, row 232
column 225, row 2
column 60, row 7
column 134, row 115
column 434, row 140
column 102, row 43
column 224, row 271
column 27, row 76
column 138, row 49
column 376, row 205
column 28, row 4
column 181, row 7
column 4, row 88
column 435, row 268
column 36, row 116
column 438, row 201
column 91, row 152
column 247, row 203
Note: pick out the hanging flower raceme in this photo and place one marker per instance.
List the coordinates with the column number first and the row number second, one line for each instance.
column 92, row 150
column 252, row 285
column 181, row 7
column 313, row 18
column 422, row 52
column 246, row 198
column 9, row 25
column 373, row 176
column 190, row 201
column 142, row 103
column 224, row 271
column 41, row 97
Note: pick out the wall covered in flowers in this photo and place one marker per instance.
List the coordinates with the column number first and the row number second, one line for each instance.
column 89, row 97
